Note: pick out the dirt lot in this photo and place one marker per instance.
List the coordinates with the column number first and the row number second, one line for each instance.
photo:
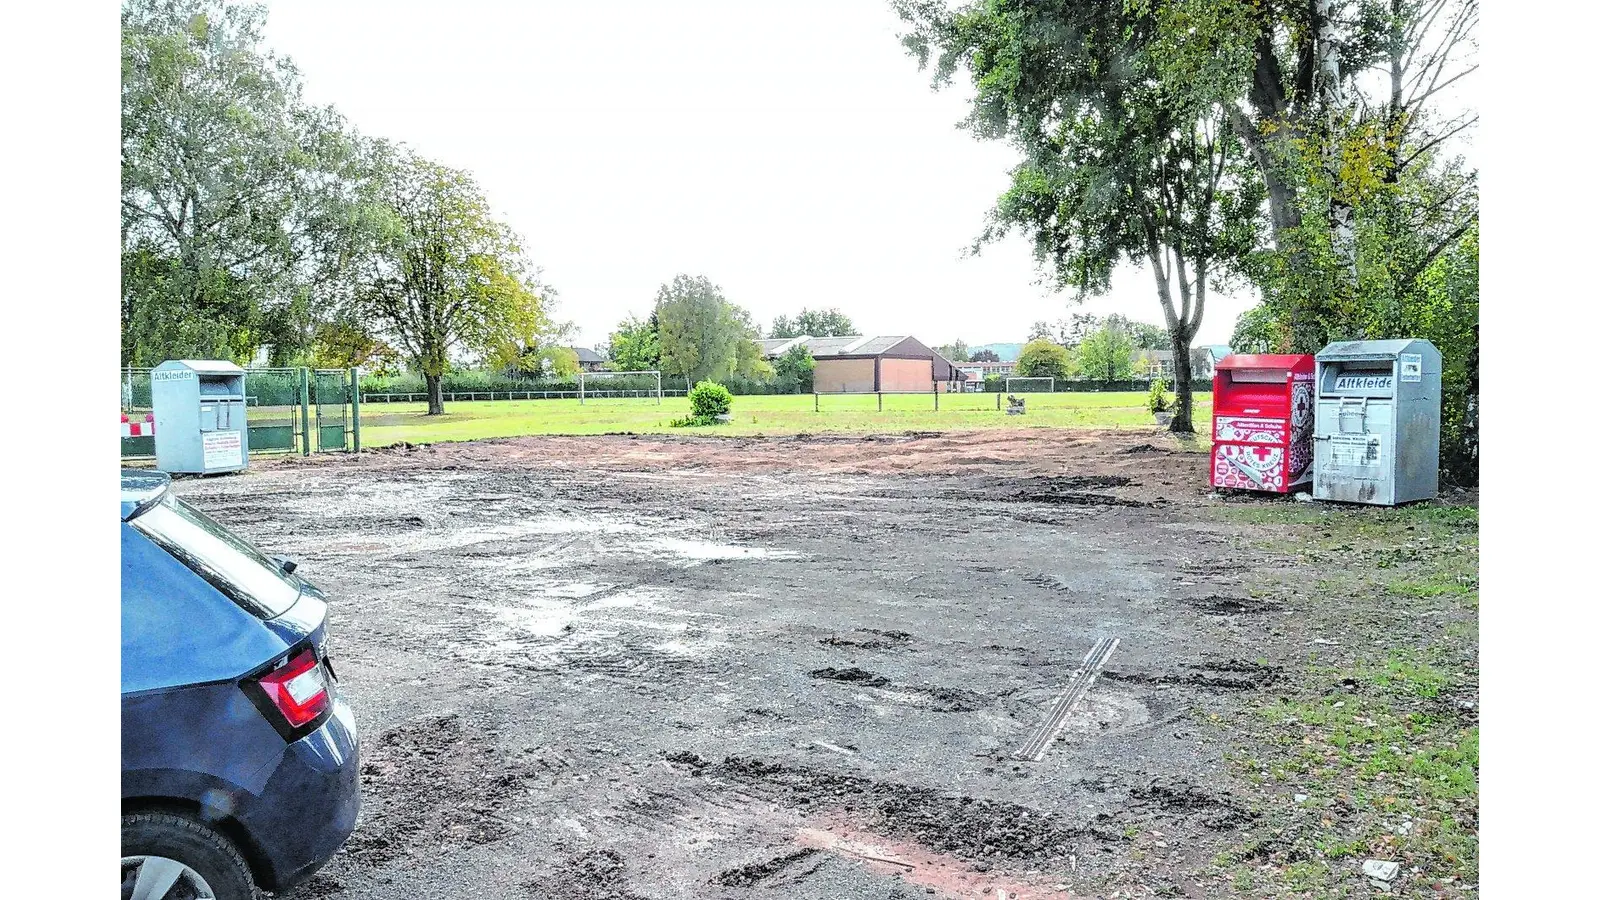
column 647, row 667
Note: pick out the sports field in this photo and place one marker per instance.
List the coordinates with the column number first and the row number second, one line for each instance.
column 383, row 424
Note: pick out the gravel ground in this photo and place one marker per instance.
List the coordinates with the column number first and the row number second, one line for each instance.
column 722, row 668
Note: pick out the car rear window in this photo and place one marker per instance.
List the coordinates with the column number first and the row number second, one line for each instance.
column 232, row 566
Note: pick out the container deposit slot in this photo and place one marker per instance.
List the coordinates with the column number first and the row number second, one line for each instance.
column 221, row 405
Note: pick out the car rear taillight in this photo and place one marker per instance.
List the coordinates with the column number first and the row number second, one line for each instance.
column 297, row 689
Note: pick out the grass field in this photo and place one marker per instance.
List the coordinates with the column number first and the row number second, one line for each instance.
column 383, row 424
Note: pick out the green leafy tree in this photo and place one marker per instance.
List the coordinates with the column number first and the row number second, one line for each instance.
column 785, row 327
column 699, row 330
column 344, row 344
column 1106, row 354
column 750, row 360
column 545, row 351
column 1447, row 314
column 796, row 366
column 560, row 362
column 1258, row 330
column 956, row 352
column 1336, row 103
column 440, row 274
column 985, row 356
column 238, row 198
column 813, row 323
column 635, row 346
column 1115, row 167
column 1042, row 358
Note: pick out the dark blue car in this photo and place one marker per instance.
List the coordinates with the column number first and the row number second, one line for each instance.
column 239, row 757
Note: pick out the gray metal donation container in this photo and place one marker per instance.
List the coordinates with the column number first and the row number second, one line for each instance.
column 200, row 416
column 1377, row 422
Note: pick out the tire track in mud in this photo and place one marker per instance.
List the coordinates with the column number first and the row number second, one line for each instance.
column 1221, row 812
column 1231, row 675
column 770, row 869
column 973, row 828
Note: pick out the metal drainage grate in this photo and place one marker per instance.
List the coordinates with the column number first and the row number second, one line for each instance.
column 1082, row 680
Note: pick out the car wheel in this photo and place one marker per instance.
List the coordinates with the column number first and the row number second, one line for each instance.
column 168, row 857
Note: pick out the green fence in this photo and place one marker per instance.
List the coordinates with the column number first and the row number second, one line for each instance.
column 290, row 410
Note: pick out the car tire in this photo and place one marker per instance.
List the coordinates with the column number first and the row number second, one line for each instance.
column 200, row 848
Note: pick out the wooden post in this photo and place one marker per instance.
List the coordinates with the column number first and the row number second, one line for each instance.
column 880, row 401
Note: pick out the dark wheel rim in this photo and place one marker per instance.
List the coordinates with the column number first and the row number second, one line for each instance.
column 161, row 878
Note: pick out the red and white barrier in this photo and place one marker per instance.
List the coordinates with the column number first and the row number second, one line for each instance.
column 145, row 428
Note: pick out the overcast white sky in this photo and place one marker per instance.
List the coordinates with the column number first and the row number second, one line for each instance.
column 793, row 153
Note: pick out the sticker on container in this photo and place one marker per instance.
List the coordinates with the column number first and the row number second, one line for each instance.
column 1363, row 450
column 1247, row 430
column 1411, row 367
column 222, row 448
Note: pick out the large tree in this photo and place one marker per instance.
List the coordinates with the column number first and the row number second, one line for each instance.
column 635, row 345
column 699, row 330
column 1341, row 106
column 1336, row 100
column 440, row 274
column 1114, row 168
column 1106, row 353
column 237, row 196
column 813, row 323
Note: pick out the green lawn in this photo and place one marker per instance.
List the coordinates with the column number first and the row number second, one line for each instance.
column 386, row 423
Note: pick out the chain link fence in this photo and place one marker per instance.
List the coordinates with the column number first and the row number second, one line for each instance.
column 288, row 410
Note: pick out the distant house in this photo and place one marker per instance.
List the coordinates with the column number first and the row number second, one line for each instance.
column 1152, row 364
column 1158, row 363
column 588, row 360
column 1213, row 355
column 865, row 364
column 977, row 371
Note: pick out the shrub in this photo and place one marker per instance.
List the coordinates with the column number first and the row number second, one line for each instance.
column 1158, row 396
column 1042, row 358
column 708, row 400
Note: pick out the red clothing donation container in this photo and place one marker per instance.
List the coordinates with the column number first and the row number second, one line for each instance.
column 1262, row 412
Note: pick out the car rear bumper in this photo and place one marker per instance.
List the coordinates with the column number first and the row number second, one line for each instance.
column 310, row 803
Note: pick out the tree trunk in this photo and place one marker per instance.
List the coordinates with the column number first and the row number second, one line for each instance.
column 1330, row 94
column 435, row 394
column 1183, row 378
